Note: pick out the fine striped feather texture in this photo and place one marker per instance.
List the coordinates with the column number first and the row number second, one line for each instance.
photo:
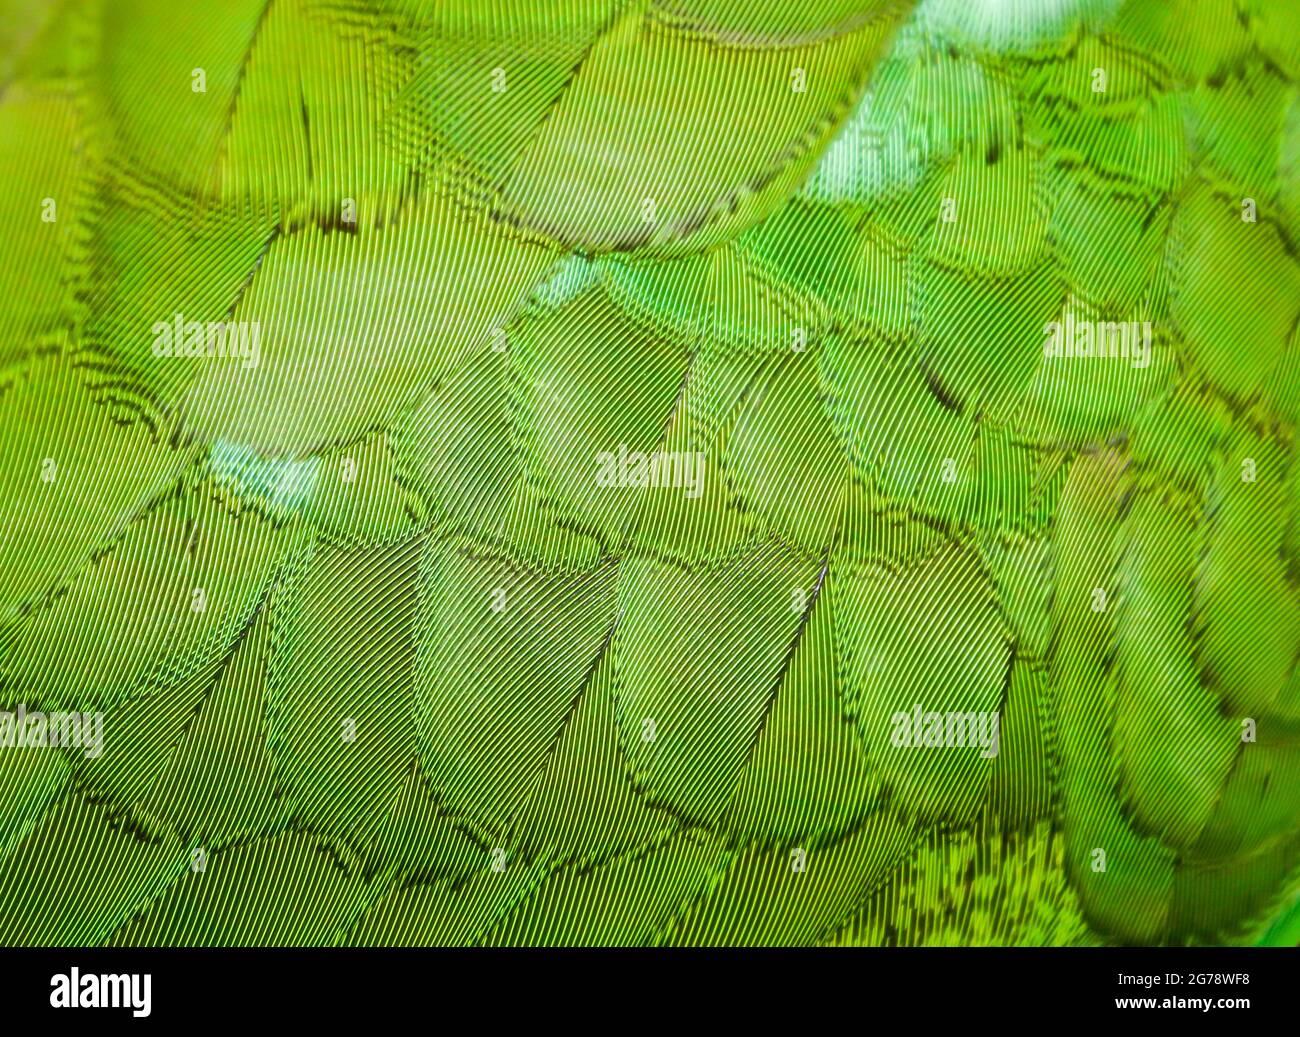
column 650, row 472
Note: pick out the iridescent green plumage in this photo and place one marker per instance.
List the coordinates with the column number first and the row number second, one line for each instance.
column 652, row 403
